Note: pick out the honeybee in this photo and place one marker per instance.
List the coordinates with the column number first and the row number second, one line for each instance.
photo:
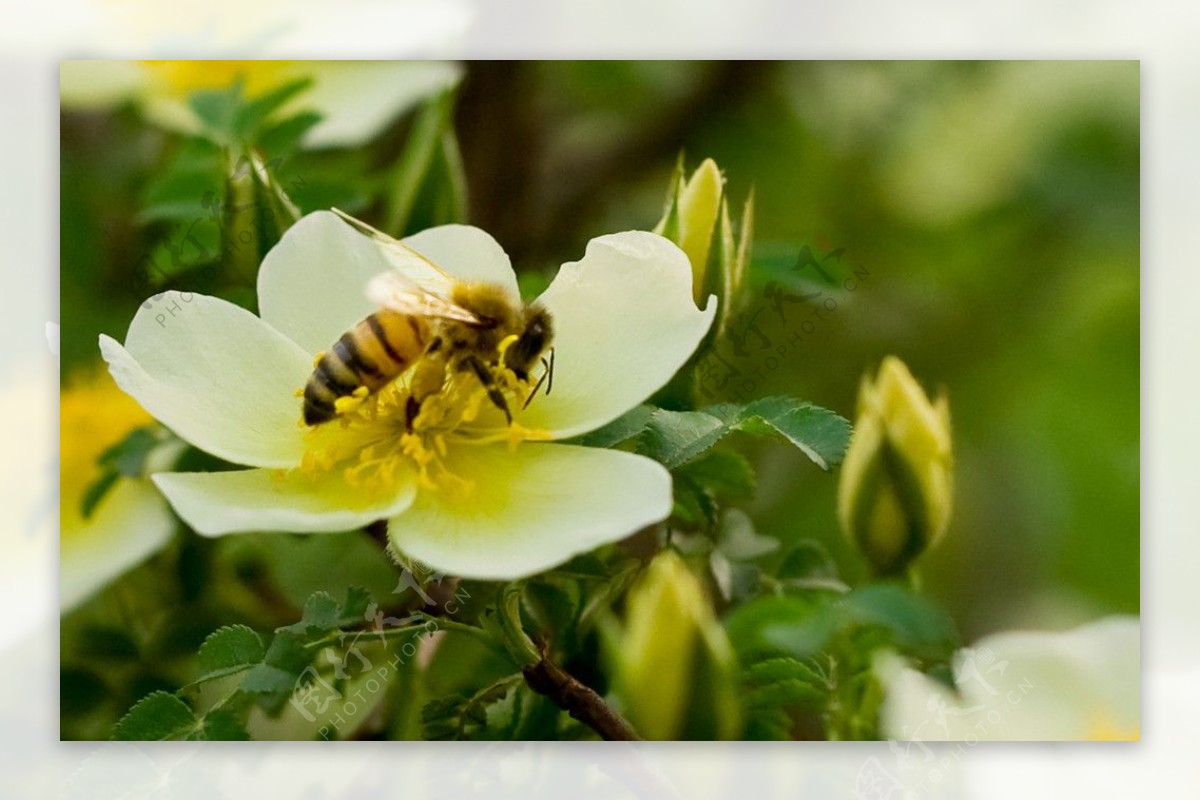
column 430, row 325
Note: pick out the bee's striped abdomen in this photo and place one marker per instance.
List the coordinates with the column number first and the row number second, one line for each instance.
column 369, row 355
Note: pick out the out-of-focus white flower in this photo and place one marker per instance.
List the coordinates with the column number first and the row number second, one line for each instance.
column 132, row 520
column 356, row 99
column 1082, row 684
column 462, row 490
column 379, row 29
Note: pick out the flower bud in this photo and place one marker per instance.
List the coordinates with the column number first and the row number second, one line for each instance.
column 693, row 209
column 894, row 498
column 675, row 668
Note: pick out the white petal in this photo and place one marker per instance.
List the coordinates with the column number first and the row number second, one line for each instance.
column 1074, row 685
column 357, row 99
column 624, row 323
column 466, row 252
column 131, row 523
column 98, row 84
column 311, row 286
column 215, row 374
column 270, row 500
column 532, row 509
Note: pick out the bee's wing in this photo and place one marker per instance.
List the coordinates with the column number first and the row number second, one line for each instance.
column 419, row 270
column 395, row 291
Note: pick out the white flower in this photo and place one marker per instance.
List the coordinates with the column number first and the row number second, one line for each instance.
column 466, row 494
column 1082, row 684
column 356, row 99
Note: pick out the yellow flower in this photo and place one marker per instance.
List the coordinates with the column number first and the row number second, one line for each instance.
column 132, row 520
column 894, row 497
column 676, row 669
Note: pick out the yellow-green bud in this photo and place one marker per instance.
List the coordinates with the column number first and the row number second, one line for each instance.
column 676, row 671
column 894, row 498
column 693, row 207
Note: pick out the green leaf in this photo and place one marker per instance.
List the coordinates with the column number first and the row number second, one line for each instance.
column 97, row 490
column 774, row 625
column 284, row 136
column 808, row 559
column 675, row 438
column 917, row 626
column 624, row 428
column 722, row 471
column 221, row 725
column 821, row 434
column 787, row 693
column 231, row 647
column 415, row 162
column 218, row 108
column 158, row 716
column 128, row 457
column 249, row 117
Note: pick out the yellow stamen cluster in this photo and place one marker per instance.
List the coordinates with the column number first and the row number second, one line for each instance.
column 372, row 443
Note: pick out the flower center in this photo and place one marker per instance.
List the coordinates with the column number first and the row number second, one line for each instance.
column 378, row 442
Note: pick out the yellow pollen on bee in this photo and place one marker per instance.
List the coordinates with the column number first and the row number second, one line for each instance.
column 504, row 345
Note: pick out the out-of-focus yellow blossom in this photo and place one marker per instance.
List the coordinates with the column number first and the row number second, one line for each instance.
column 132, row 520
column 895, row 495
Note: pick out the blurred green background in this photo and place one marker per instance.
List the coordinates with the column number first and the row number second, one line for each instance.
column 991, row 210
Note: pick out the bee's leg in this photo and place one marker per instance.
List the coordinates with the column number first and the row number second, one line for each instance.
column 489, row 383
column 412, row 408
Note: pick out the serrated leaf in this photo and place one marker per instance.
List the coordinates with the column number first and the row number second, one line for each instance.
column 624, row 428
column 786, row 693
column 783, row 668
column 231, row 647
column 158, row 716
column 673, row 438
column 821, row 434
column 321, row 614
column 221, row 726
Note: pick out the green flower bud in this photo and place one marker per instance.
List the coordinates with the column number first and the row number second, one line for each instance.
column 675, row 668
column 894, row 498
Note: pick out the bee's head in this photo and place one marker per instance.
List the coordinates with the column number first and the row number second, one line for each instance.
column 531, row 343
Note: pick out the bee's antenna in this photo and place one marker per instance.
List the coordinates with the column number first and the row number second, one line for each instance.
column 548, row 373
